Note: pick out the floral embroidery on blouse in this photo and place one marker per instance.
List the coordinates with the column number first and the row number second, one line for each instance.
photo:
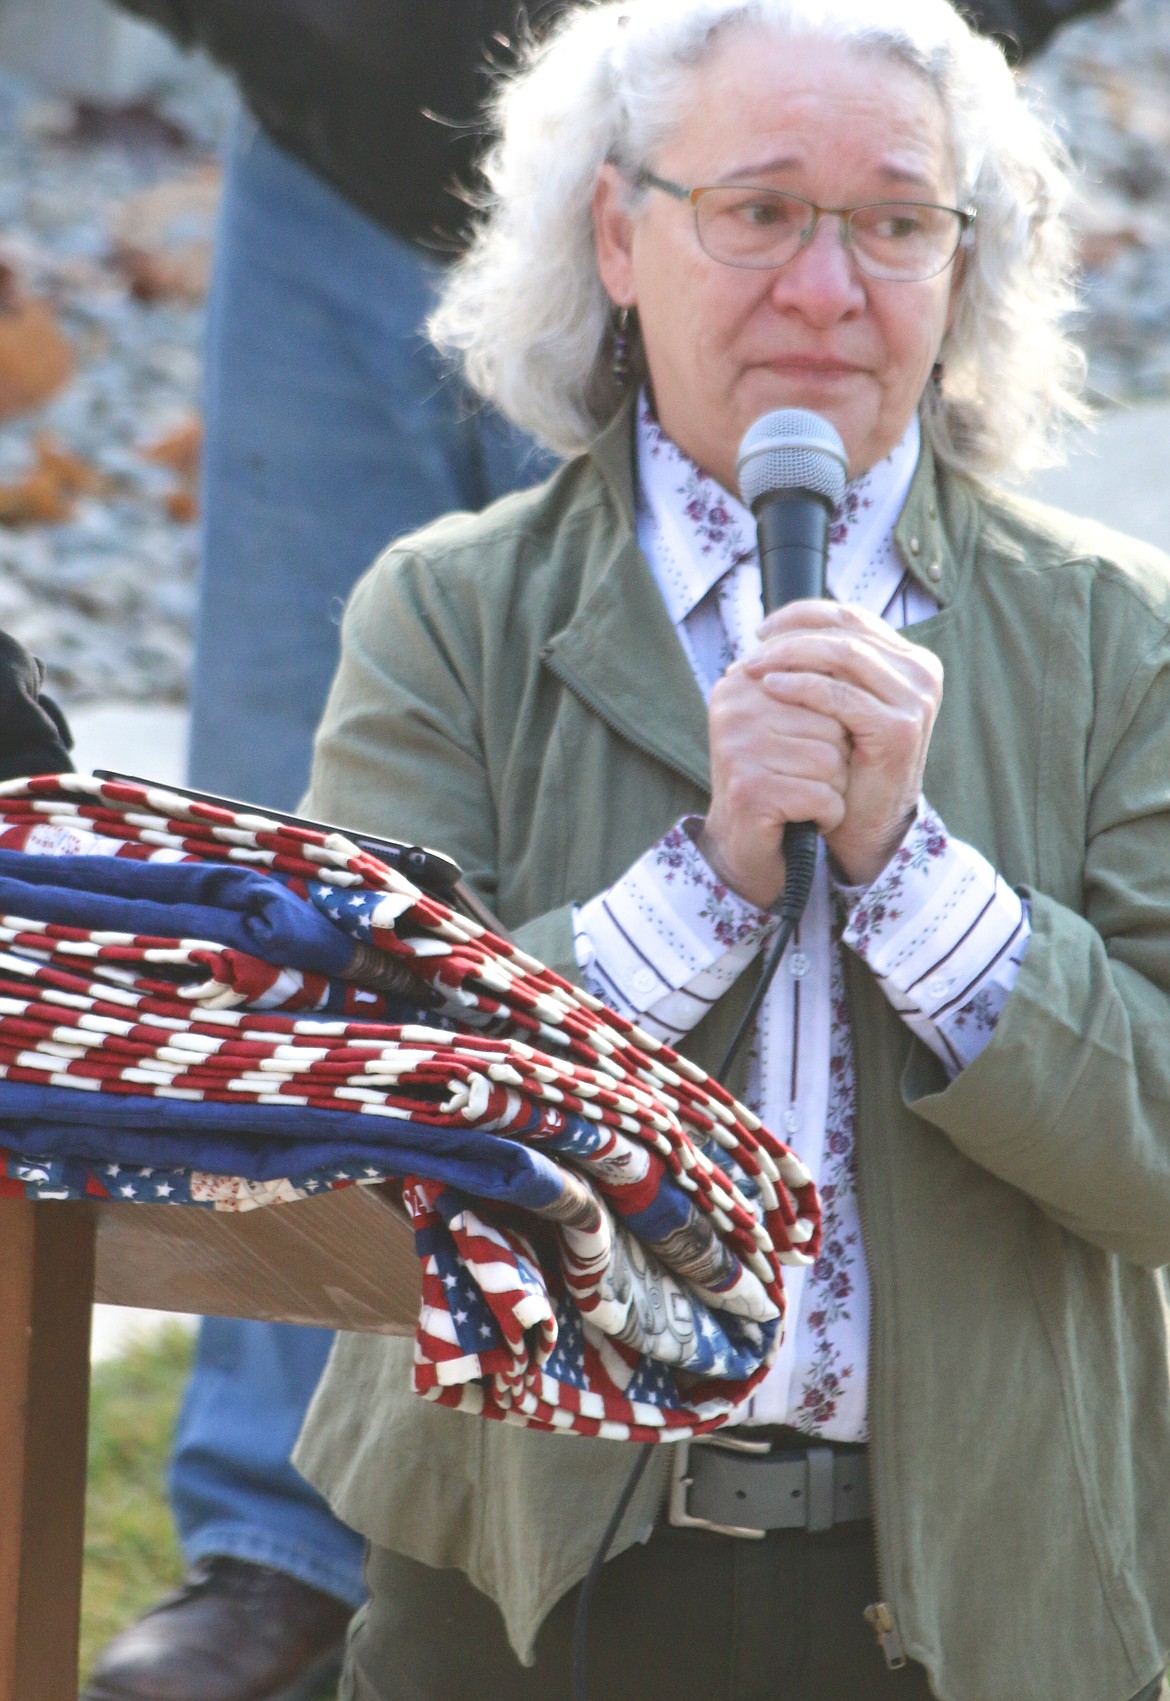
column 654, row 438
column 706, row 508
column 701, row 498
column 969, row 1026
column 732, row 920
column 724, row 910
column 979, row 1017
column 949, row 980
column 674, row 852
column 924, row 842
column 854, row 501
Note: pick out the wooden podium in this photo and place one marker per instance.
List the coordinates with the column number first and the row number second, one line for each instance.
column 345, row 1260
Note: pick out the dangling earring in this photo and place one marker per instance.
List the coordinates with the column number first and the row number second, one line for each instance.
column 937, row 372
column 619, row 363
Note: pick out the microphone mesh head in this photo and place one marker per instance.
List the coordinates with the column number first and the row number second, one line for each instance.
column 791, row 449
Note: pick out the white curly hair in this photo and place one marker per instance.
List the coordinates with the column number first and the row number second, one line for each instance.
column 525, row 312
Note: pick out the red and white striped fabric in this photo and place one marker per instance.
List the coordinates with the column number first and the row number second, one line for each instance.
column 105, row 1014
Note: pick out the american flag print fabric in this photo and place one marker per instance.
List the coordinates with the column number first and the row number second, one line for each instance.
column 204, row 1006
column 78, row 1178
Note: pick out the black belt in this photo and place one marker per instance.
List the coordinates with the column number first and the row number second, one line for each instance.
column 739, row 1487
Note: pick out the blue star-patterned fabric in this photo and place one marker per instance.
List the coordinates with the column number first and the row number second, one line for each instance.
column 240, row 907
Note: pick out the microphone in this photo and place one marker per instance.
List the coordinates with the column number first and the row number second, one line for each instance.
column 791, row 468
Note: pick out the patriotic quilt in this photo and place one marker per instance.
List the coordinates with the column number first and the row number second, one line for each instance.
column 208, row 1007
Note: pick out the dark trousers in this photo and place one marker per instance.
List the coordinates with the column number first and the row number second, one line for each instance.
column 690, row 1616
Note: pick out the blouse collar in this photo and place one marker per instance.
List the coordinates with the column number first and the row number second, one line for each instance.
column 709, row 532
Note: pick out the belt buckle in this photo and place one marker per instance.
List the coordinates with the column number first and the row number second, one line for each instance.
column 681, row 1480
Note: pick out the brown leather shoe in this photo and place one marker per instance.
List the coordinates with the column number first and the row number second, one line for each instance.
column 232, row 1632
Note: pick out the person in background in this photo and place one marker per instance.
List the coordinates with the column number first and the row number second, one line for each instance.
column 1023, row 26
column 331, row 427
column 34, row 736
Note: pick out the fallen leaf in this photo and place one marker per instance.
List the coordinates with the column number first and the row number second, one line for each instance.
column 1100, row 249
column 178, row 448
column 75, row 476
column 179, row 276
column 36, row 499
column 162, row 237
column 46, row 493
column 36, row 357
column 10, row 294
column 182, row 505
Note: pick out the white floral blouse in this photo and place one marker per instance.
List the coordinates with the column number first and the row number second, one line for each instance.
column 939, row 929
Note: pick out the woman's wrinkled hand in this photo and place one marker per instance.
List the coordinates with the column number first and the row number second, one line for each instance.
column 828, row 721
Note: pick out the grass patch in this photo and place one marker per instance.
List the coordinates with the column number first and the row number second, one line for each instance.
column 131, row 1555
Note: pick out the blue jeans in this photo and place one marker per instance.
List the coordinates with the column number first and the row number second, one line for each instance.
column 331, row 429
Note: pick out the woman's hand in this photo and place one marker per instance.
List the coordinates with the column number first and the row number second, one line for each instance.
column 828, row 721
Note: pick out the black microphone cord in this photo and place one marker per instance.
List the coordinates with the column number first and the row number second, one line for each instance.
column 800, row 862
column 581, row 1620
column 791, row 467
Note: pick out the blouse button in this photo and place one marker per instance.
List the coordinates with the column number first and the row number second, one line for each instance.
column 934, row 572
column 915, row 546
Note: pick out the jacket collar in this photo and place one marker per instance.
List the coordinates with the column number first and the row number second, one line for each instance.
column 933, row 551
column 619, row 650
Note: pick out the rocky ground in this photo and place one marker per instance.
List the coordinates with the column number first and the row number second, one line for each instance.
column 104, row 239
column 1107, row 79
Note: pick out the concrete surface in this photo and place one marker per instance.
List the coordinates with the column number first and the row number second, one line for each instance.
column 152, row 743
column 1118, row 473
column 131, row 738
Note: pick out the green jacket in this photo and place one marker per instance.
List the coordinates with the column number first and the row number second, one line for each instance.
column 512, row 691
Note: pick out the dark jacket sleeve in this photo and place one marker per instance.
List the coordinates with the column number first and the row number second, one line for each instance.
column 34, row 738
column 1025, row 25
column 174, row 16
column 380, row 97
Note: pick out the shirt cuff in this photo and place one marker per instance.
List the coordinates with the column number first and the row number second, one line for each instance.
column 667, row 939
column 943, row 935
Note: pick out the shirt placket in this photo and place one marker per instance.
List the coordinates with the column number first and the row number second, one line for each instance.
column 801, row 1072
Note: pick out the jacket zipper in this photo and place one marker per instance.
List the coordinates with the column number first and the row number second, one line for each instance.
column 881, row 1620
column 879, row 1616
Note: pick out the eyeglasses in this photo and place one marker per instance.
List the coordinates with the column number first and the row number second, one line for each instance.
column 739, row 224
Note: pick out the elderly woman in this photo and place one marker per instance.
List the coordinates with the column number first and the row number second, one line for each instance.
column 702, row 210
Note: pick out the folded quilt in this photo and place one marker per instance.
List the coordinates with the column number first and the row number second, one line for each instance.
column 205, row 1006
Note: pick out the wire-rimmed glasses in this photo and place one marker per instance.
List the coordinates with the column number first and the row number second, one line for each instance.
column 741, row 224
